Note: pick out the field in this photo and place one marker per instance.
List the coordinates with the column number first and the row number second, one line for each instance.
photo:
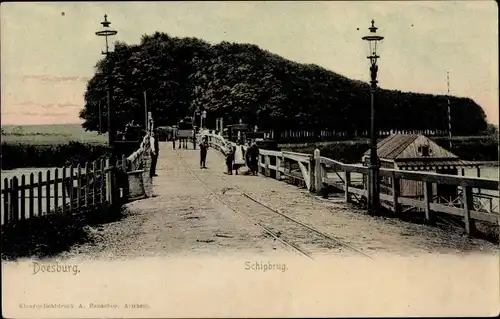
column 50, row 134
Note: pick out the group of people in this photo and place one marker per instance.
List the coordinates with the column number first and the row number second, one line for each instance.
column 236, row 157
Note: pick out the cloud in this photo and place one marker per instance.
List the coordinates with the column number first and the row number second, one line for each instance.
column 52, row 78
column 48, row 105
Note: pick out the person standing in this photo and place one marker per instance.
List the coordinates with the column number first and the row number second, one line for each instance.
column 229, row 152
column 253, row 158
column 155, row 149
column 239, row 159
column 203, row 152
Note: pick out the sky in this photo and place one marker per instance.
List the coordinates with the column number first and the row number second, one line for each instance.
column 49, row 50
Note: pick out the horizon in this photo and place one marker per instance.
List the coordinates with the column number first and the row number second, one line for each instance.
column 44, row 79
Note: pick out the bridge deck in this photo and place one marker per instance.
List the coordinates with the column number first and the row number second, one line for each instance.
column 205, row 211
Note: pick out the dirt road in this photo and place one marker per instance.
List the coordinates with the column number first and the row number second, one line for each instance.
column 203, row 211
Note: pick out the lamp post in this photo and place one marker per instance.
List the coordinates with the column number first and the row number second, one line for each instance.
column 373, row 180
column 106, row 32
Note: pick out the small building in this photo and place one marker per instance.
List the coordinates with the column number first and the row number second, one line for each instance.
column 415, row 152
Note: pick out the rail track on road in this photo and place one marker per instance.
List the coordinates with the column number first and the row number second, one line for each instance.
column 291, row 232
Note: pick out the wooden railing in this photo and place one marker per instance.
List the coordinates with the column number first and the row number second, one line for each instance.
column 316, row 172
column 67, row 190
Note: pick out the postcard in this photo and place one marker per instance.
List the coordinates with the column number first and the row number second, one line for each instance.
column 249, row 159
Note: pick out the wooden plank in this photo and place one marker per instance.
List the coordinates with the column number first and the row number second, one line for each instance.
column 357, row 169
column 87, row 188
column 47, row 193
column 432, row 177
column 5, row 203
column 318, row 172
column 395, row 194
column 411, row 202
column 310, row 174
column 63, row 191
column 15, row 199
column 56, row 190
column 386, row 197
column 468, row 206
column 106, row 181
column 39, row 194
column 103, row 181
column 32, row 197
column 305, row 174
column 278, row 168
column 447, row 209
column 70, row 190
column 492, row 218
column 267, row 161
column 94, row 180
column 271, row 153
column 347, row 183
column 78, row 185
column 114, row 182
column 358, row 191
column 298, row 157
column 22, row 210
column 429, row 215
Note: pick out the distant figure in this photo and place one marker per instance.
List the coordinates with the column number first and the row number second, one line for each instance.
column 239, row 158
column 154, row 152
column 229, row 158
column 203, row 152
column 253, row 158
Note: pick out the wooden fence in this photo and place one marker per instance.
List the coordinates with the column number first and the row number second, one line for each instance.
column 316, row 172
column 67, row 190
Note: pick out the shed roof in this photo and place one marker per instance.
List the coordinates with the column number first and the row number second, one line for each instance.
column 392, row 146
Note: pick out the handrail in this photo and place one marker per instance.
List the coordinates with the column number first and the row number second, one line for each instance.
column 313, row 169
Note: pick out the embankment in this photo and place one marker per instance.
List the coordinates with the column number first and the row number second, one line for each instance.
column 18, row 155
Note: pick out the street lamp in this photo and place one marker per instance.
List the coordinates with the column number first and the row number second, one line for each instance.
column 373, row 179
column 107, row 32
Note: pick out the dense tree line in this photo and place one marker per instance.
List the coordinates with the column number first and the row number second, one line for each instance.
column 242, row 81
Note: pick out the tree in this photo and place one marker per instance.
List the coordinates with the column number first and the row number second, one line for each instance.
column 242, row 81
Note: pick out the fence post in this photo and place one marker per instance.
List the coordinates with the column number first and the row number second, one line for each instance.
column 395, row 193
column 39, row 194
column 347, row 183
column 70, row 189
column 6, row 199
column 14, row 200
column 23, row 197
column 87, row 188
column 47, row 194
column 79, row 186
column 109, row 197
column 94, row 181
column 63, row 189
column 267, row 160
column 470, row 225
column 278, row 167
column 310, row 172
column 56, row 190
column 430, row 216
column 318, row 174
column 32, row 195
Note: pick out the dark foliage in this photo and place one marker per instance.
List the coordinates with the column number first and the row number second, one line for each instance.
column 47, row 236
column 242, row 81
column 476, row 149
column 72, row 153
